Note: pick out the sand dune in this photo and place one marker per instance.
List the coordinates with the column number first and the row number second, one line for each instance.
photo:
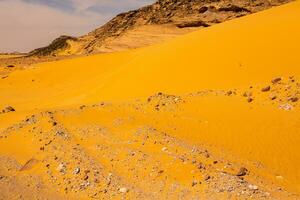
column 217, row 107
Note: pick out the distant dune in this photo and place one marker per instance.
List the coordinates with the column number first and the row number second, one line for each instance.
column 212, row 114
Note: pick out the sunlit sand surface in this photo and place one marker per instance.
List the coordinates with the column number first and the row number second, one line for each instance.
column 174, row 120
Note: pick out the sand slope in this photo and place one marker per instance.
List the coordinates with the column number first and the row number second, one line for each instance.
column 217, row 75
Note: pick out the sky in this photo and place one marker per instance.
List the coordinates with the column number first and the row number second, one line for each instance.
column 29, row 24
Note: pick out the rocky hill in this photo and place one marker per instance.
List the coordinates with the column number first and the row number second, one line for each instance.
column 154, row 23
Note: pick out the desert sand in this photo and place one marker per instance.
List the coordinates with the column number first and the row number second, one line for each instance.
column 213, row 114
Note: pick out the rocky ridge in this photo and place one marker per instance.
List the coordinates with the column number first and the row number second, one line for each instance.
column 173, row 14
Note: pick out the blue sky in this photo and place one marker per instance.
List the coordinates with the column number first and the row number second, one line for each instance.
column 28, row 24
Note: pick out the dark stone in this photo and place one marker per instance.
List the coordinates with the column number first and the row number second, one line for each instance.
column 293, row 99
column 276, row 80
column 266, row 89
column 243, row 172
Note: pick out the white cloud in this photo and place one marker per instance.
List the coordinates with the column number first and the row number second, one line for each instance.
column 29, row 24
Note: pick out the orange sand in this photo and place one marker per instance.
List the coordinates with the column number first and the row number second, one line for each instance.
column 249, row 51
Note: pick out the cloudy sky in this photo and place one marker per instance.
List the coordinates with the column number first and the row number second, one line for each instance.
column 28, row 24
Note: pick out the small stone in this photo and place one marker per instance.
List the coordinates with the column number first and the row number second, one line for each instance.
column 247, row 94
column 82, row 107
column 286, row 107
column 266, row 89
column 77, row 170
column 273, row 96
column 108, row 181
column 164, row 149
column 207, row 177
column 61, row 168
column 123, row 190
column 250, row 99
column 242, row 172
column 60, row 133
column 276, row 80
column 205, row 154
column 194, row 183
column 252, row 187
column 132, row 154
column 228, row 93
column 201, row 166
column 293, row 99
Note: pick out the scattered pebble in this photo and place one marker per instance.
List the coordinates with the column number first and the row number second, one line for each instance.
column 293, row 99
column 242, row 172
column 252, row 187
column 194, row 183
column 276, row 80
column 286, row 107
column 123, row 190
column 201, row 166
column 228, row 93
column 273, row 96
column 164, row 149
column 250, row 99
column 207, row 177
column 82, row 107
column 77, row 170
column 247, row 94
column 86, row 177
column 266, row 89
column 61, row 168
